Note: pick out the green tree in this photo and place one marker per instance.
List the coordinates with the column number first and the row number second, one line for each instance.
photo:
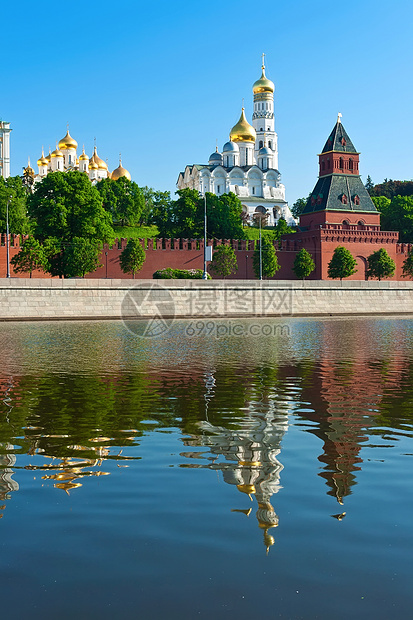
column 184, row 217
column 13, row 191
column 224, row 261
column 132, row 257
column 30, row 257
column 390, row 188
column 397, row 215
column 282, row 228
column 123, row 199
column 303, row 264
column 380, row 265
column 66, row 205
column 408, row 265
column 342, row 264
column 80, row 257
column 270, row 263
column 224, row 216
column 369, row 184
column 298, row 207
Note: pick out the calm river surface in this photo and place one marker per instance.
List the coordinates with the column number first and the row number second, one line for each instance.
column 207, row 475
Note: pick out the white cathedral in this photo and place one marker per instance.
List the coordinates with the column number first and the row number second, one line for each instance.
column 248, row 164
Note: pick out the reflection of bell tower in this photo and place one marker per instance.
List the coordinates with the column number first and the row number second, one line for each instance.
column 7, row 484
column 248, row 460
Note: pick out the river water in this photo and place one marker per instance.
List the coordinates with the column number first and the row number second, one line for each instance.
column 212, row 472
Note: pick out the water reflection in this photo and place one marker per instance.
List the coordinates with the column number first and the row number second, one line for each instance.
column 71, row 409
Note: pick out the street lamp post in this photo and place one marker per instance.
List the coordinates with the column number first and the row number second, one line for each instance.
column 205, row 275
column 7, row 239
column 260, row 249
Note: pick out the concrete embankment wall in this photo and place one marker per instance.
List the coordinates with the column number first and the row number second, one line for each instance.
column 25, row 299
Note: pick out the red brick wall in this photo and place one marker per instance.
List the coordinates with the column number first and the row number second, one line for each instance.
column 188, row 254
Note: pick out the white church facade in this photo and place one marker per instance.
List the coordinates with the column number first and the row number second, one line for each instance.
column 248, row 164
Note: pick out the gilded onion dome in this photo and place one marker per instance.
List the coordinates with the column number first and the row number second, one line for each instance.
column 57, row 153
column 119, row 172
column 67, row 142
column 242, row 131
column 42, row 161
column 102, row 165
column 29, row 170
column 263, row 85
column 83, row 156
column 93, row 165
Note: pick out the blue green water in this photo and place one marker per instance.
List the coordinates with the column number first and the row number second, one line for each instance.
column 207, row 476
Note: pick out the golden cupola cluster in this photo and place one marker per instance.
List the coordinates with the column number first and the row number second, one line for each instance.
column 263, row 85
column 64, row 158
column 243, row 131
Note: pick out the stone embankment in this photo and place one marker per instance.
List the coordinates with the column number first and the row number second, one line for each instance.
column 25, row 299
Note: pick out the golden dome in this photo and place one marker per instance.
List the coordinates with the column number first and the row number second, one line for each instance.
column 93, row 165
column 67, row 142
column 120, row 172
column 83, row 156
column 242, row 131
column 263, row 85
column 57, row 153
column 42, row 161
column 29, row 170
column 102, row 165
column 248, row 489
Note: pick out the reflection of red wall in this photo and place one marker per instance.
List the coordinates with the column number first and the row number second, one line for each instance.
column 189, row 254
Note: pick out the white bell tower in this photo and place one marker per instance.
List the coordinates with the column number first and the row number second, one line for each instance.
column 4, row 149
column 263, row 119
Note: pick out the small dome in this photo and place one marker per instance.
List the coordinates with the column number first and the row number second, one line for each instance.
column 263, row 85
column 29, row 170
column 230, row 147
column 67, row 142
column 57, row 153
column 42, row 161
column 242, row 131
column 83, row 156
column 102, row 165
column 93, row 165
column 215, row 157
column 120, row 172
column 265, row 151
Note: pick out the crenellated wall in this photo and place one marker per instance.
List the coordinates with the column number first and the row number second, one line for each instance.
column 189, row 253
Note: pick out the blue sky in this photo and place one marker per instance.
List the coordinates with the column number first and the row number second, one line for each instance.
column 160, row 82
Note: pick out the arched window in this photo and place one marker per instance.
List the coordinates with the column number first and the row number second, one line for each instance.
column 346, row 223
column 356, row 200
column 270, row 144
column 341, row 163
column 344, row 200
column 350, row 164
column 323, row 165
column 261, row 144
column 328, row 163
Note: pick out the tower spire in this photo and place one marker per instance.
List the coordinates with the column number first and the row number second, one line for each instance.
column 263, row 61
